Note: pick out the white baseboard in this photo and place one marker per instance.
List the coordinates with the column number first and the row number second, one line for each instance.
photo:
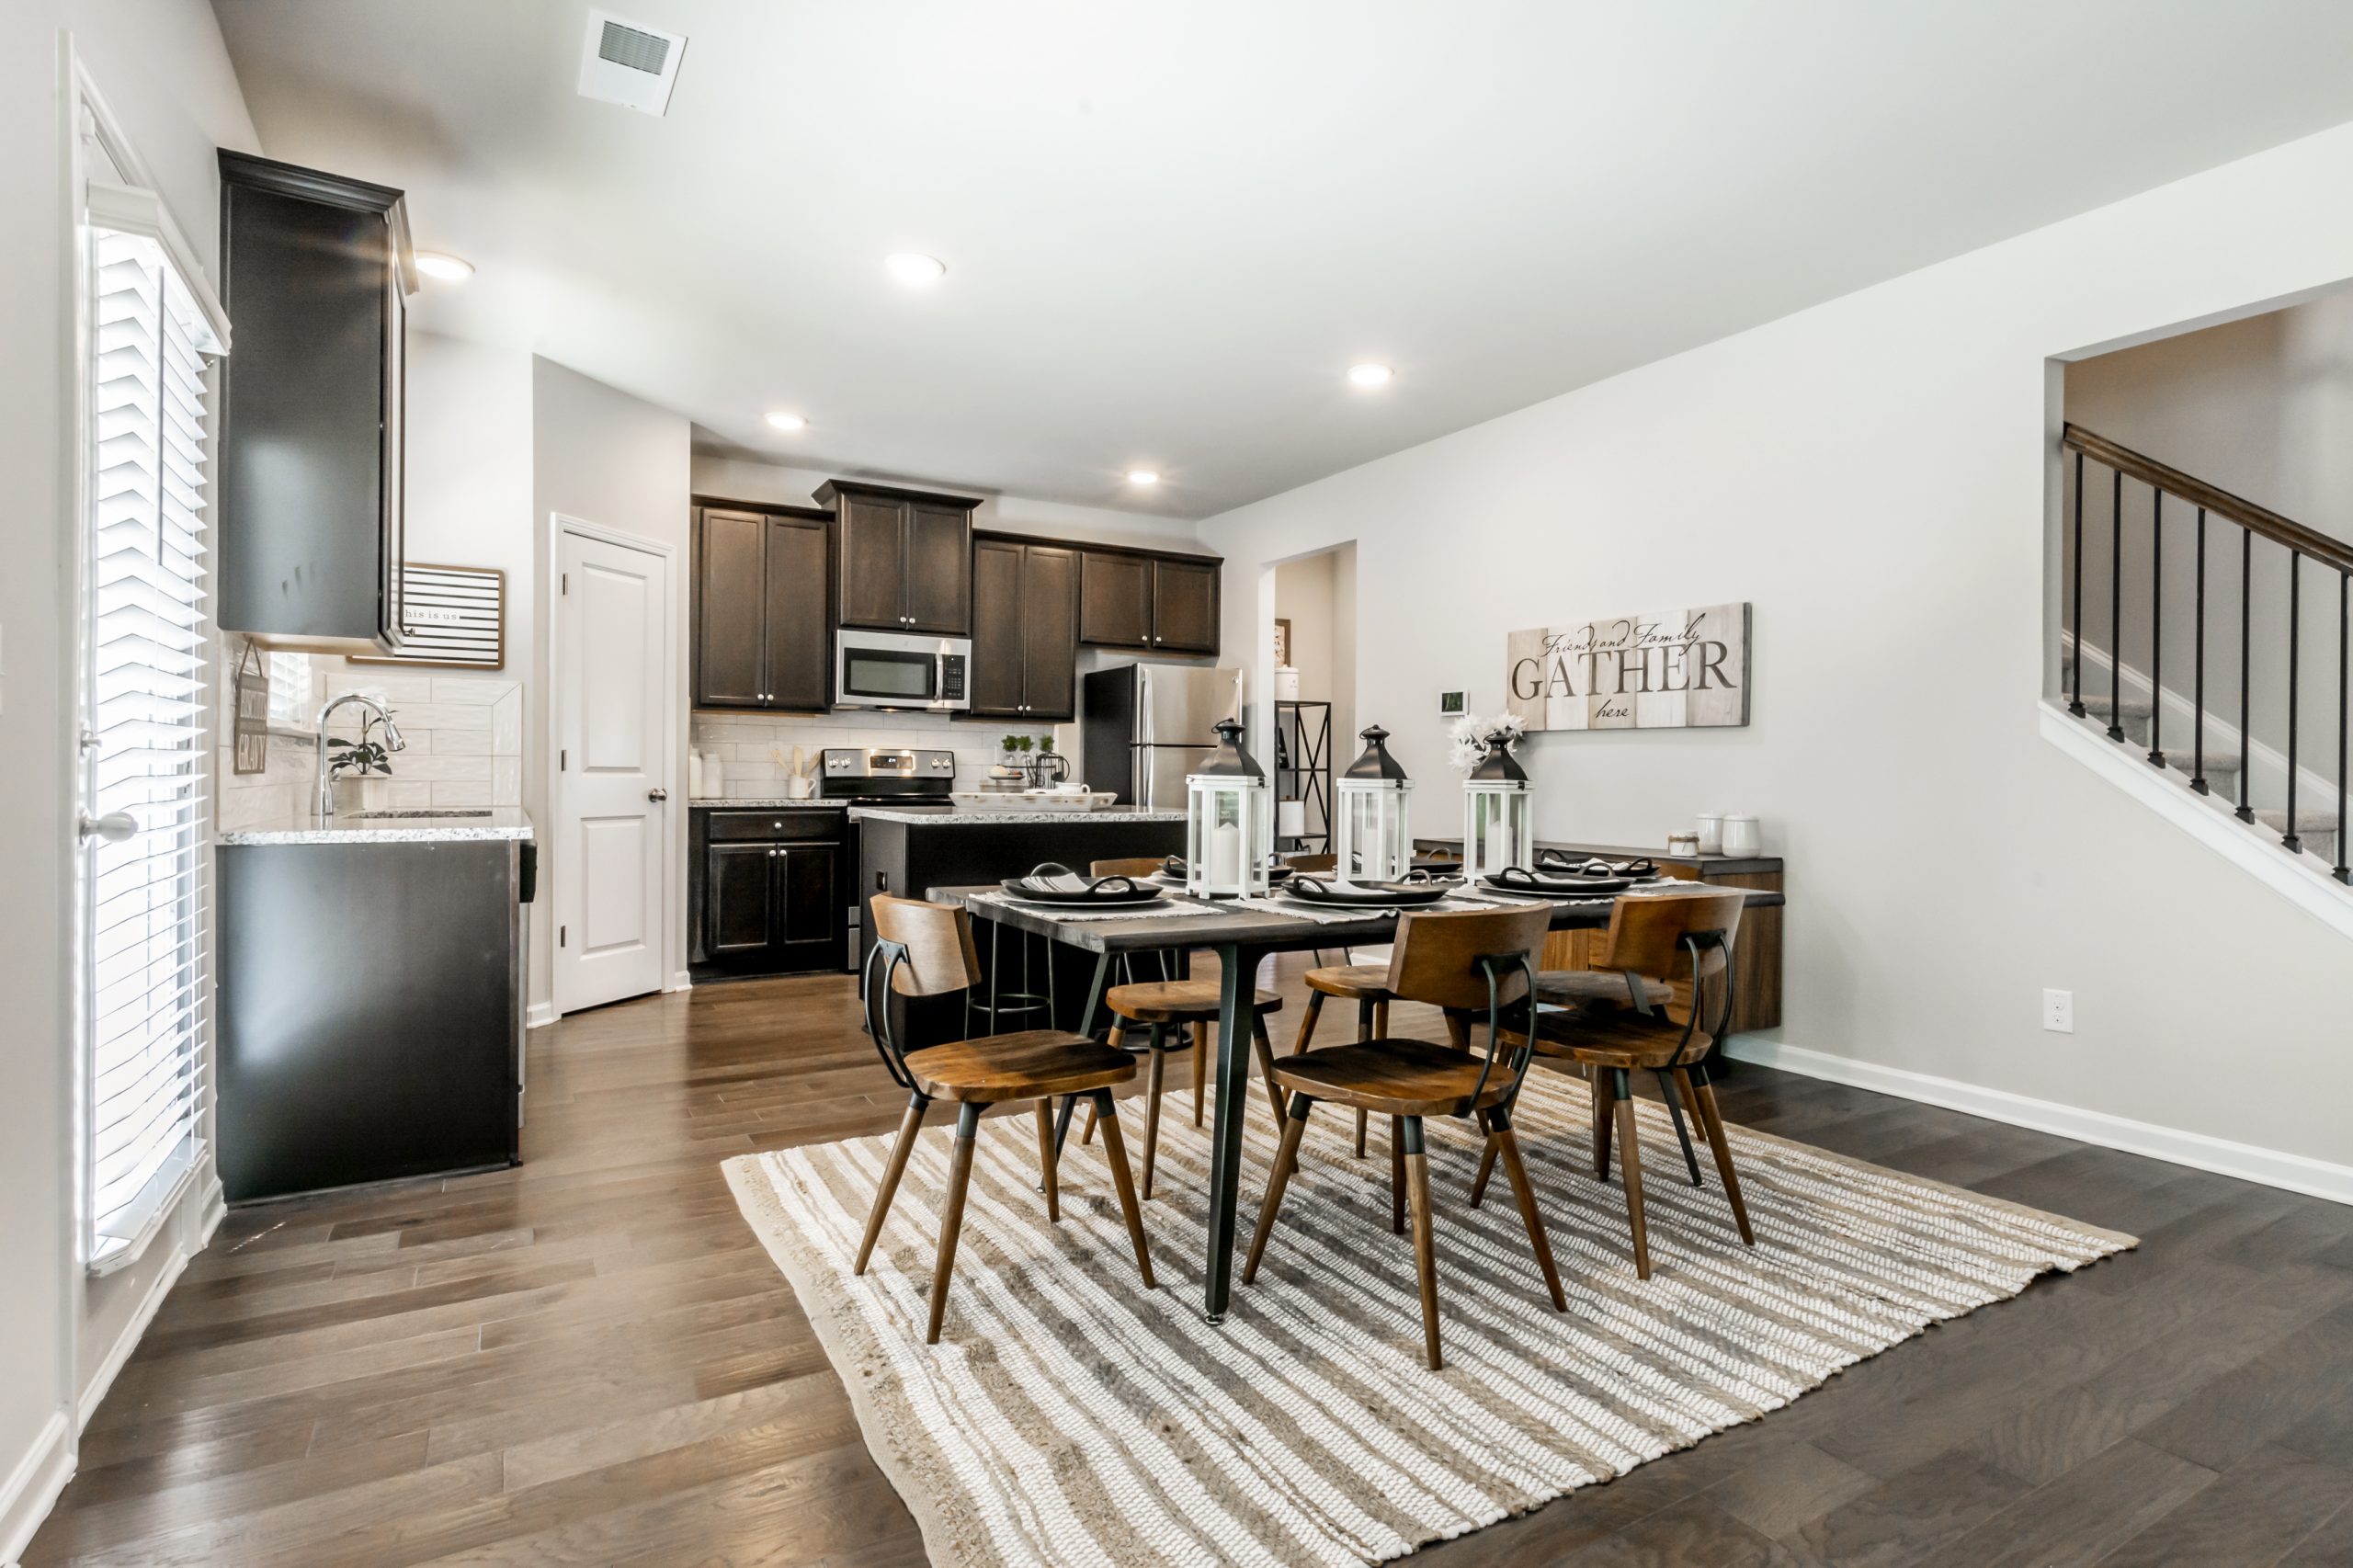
column 2303, row 879
column 2296, row 1173
column 681, row 980
column 31, row 1488
column 539, row 1015
column 136, row 1329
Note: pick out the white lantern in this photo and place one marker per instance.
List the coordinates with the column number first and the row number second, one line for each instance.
column 1374, row 843
column 1496, row 832
column 1229, row 821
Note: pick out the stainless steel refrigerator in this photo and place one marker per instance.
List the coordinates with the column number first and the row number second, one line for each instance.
column 1142, row 727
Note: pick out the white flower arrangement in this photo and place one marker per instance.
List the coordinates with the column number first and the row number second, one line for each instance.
column 1473, row 737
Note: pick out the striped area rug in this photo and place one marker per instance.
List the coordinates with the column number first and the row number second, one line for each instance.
column 1068, row 1415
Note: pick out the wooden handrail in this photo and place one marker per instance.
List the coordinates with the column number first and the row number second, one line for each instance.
column 2198, row 493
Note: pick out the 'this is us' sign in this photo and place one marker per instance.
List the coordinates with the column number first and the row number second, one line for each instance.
column 1658, row 670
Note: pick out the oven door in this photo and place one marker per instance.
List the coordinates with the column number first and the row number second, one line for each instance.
column 881, row 669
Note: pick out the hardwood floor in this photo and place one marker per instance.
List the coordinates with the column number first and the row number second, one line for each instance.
column 590, row 1360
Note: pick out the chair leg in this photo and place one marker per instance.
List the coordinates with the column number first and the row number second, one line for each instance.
column 909, row 1125
column 1604, row 1112
column 1418, row 1186
column 1200, row 1069
column 1397, row 1175
column 951, row 1218
column 1152, row 1077
column 1115, row 1149
column 1679, row 1100
column 1265, row 1050
column 1307, row 1021
column 1286, row 1161
column 1086, row 1133
column 1629, row 1163
column 1704, row 1094
column 1045, row 1162
column 1503, row 1140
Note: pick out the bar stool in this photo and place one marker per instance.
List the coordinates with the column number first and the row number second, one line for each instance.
column 1647, row 936
column 926, row 950
column 1483, row 960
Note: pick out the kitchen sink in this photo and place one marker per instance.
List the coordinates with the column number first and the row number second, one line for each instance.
column 373, row 816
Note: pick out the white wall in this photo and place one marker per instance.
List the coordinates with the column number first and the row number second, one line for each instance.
column 605, row 458
column 1874, row 475
column 161, row 68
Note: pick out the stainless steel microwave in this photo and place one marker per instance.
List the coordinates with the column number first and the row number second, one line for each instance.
column 892, row 669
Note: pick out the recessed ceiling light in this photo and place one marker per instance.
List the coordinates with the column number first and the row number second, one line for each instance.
column 915, row 269
column 1143, row 476
column 441, row 265
column 787, row 421
column 1370, row 375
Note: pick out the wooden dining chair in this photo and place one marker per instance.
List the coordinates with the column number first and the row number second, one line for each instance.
column 1650, row 937
column 926, row 950
column 1482, row 961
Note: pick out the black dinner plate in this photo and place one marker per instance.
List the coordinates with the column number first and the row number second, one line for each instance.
column 1055, row 884
column 1172, row 871
column 1377, row 895
column 1515, row 879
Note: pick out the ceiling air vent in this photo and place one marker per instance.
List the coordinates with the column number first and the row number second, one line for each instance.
column 629, row 64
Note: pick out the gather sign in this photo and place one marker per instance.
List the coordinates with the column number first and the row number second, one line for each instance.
column 1658, row 670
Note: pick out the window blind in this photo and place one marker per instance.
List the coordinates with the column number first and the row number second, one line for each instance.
column 146, row 690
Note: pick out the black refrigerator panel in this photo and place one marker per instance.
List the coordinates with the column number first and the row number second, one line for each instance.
column 369, row 1019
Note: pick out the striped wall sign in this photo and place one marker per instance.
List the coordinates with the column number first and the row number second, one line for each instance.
column 453, row 617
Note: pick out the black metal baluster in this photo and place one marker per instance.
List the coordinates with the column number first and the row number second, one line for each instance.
column 2289, row 840
column 2157, row 627
column 2344, row 627
column 2076, row 626
column 2246, row 599
column 2116, row 612
column 2198, row 701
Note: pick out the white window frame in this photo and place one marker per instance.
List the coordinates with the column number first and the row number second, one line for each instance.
column 125, row 203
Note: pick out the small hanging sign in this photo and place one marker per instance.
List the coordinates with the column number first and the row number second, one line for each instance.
column 1659, row 670
column 451, row 617
column 250, row 723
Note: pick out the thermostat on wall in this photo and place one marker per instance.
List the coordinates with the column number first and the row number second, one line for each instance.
column 1449, row 703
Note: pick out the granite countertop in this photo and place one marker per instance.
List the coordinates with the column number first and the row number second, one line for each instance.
column 982, row 819
column 354, row 827
column 763, row 803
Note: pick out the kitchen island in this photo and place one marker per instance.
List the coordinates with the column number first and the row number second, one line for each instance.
column 904, row 852
column 371, row 998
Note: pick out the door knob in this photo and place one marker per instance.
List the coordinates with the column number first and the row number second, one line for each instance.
column 114, row 827
column 657, row 795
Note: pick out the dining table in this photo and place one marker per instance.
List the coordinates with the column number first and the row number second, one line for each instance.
column 1242, row 933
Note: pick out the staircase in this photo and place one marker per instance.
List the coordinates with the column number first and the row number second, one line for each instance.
column 2256, row 635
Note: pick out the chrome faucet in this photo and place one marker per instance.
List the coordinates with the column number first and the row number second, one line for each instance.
column 323, row 800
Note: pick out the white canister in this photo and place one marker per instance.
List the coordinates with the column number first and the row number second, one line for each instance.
column 798, row 789
column 1286, row 684
column 1712, row 832
column 1741, row 837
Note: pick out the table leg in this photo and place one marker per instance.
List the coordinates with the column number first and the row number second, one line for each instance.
column 1236, row 1028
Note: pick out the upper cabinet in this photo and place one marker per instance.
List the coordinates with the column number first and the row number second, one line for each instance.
column 315, row 272
column 1153, row 603
column 1025, row 628
column 905, row 558
column 763, row 636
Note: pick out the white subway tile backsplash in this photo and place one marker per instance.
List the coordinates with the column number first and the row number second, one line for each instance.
column 506, row 781
column 506, row 725
column 476, row 690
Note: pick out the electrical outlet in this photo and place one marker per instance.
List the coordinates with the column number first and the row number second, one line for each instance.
column 2059, row 1011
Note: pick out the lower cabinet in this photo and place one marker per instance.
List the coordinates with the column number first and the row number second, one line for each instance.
column 767, row 892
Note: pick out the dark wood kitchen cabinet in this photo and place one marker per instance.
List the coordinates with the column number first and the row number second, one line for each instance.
column 767, row 892
column 1153, row 603
column 904, row 562
column 763, row 629
column 315, row 271
column 1025, row 629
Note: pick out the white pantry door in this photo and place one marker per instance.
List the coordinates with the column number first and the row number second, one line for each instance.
column 613, row 721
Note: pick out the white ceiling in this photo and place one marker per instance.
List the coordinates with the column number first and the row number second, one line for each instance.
column 1172, row 227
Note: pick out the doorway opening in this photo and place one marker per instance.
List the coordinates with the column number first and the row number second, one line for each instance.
column 1312, row 680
